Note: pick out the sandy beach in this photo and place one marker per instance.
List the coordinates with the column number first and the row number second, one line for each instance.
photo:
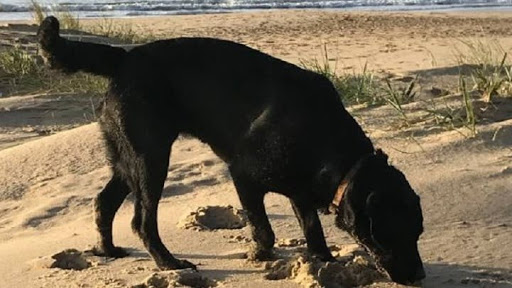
column 52, row 158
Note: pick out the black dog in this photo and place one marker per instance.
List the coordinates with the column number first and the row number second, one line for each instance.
column 278, row 127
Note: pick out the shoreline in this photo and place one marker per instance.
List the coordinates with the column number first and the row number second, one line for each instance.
column 498, row 9
column 476, row 13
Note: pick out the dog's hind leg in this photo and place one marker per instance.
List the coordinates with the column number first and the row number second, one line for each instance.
column 251, row 197
column 106, row 205
column 150, row 171
column 312, row 228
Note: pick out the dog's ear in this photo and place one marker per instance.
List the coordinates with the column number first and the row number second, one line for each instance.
column 378, row 217
column 348, row 217
column 372, row 204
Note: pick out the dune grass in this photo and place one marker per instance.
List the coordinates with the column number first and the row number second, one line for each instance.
column 26, row 74
column 366, row 88
column 106, row 27
column 363, row 88
column 67, row 19
column 490, row 68
column 38, row 13
column 353, row 88
column 470, row 119
column 397, row 97
column 17, row 62
column 124, row 32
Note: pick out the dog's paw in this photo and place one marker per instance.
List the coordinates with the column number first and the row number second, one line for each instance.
column 260, row 255
column 184, row 264
column 324, row 257
column 114, row 252
column 177, row 264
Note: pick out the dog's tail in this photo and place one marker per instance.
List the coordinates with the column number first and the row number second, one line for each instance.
column 72, row 56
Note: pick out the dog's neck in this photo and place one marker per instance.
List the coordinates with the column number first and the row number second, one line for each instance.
column 342, row 187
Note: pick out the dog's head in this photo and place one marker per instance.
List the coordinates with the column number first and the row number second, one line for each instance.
column 381, row 210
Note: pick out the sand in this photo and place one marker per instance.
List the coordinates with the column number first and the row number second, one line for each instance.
column 50, row 173
column 179, row 278
column 353, row 268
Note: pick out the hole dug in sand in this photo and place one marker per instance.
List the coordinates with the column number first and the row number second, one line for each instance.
column 352, row 270
column 177, row 278
column 214, row 217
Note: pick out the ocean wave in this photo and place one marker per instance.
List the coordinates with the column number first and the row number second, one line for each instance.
column 223, row 5
column 159, row 7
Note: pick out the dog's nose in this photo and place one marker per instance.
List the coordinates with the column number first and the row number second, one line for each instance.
column 420, row 274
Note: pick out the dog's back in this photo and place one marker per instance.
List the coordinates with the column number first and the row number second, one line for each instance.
column 222, row 91
column 228, row 95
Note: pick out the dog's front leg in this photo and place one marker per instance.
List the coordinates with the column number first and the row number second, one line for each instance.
column 312, row 228
column 251, row 197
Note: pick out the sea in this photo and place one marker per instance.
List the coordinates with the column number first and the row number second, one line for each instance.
column 21, row 9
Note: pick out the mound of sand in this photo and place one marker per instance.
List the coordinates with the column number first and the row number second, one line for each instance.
column 213, row 218
column 351, row 270
column 177, row 278
column 69, row 259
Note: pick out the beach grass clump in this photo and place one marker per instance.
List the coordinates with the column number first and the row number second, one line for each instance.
column 26, row 74
column 470, row 119
column 488, row 53
column 79, row 83
column 67, row 19
column 322, row 67
column 490, row 70
column 124, row 32
column 17, row 62
column 38, row 13
column 107, row 27
column 363, row 88
column 452, row 113
column 484, row 74
column 21, row 70
column 396, row 97
column 492, row 81
column 456, row 112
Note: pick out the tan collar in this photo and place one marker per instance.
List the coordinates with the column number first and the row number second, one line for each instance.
column 342, row 188
column 336, row 201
